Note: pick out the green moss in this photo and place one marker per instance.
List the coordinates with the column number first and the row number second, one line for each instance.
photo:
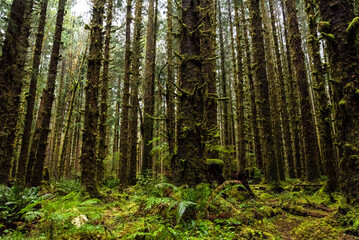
column 323, row 26
column 357, row 91
column 342, row 102
column 214, row 161
column 353, row 25
column 328, row 36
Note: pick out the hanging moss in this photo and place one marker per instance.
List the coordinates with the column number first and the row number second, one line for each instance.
column 353, row 26
column 328, row 36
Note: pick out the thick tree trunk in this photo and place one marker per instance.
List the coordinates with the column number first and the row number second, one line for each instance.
column 308, row 131
column 88, row 157
column 343, row 58
column 12, row 62
column 324, row 111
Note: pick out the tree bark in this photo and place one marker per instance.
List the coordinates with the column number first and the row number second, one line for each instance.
column 88, row 157
column 39, row 142
column 308, row 131
column 102, row 151
column 12, row 62
column 30, row 98
column 343, row 59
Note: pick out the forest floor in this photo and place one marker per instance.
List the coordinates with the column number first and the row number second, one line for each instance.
column 153, row 210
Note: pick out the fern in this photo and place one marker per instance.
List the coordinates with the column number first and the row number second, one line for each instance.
column 181, row 208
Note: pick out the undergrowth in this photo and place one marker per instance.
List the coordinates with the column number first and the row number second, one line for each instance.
column 160, row 210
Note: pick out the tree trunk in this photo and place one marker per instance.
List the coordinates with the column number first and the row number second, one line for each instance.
column 30, row 98
column 102, row 151
column 240, row 97
column 343, row 58
column 88, row 157
column 39, row 142
column 12, row 62
column 308, row 131
column 324, row 111
column 283, row 98
column 124, row 139
column 254, row 113
column 226, row 133
column 264, row 109
column 149, row 100
column 134, row 92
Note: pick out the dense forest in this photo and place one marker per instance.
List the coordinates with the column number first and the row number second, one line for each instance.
column 179, row 119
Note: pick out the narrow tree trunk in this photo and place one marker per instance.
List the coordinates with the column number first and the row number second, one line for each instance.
column 240, row 97
column 254, row 113
column 39, row 143
column 102, row 151
column 260, row 76
column 294, row 109
column 134, row 92
column 30, row 98
column 226, row 133
column 283, row 98
column 124, row 140
column 170, row 111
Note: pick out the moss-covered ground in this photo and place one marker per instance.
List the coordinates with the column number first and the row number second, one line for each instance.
column 152, row 210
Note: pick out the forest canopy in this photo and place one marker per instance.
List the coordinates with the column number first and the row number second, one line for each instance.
column 191, row 119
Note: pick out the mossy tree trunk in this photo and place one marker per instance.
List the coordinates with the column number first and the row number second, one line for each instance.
column 191, row 165
column 124, row 132
column 88, row 157
column 39, row 142
column 339, row 28
column 134, row 92
column 254, row 113
column 102, row 151
column 274, row 93
column 170, row 110
column 226, row 129
column 283, row 99
column 307, row 120
column 292, row 96
column 12, row 63
column 324, row 111
column 264, row 108
column 30, row 98
column 239, row 85
column 149, row 98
